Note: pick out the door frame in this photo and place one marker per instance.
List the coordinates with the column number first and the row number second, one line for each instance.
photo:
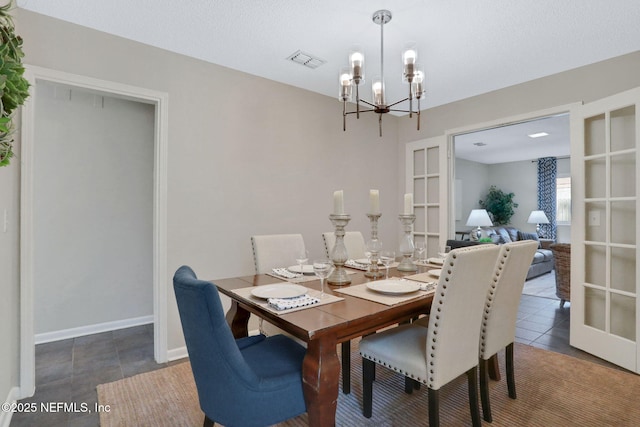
column 160, row 100
column 492, row 124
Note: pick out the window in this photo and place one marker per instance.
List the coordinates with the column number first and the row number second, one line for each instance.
column 563, row 200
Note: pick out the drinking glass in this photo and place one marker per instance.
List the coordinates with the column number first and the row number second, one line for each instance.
column 421, row 249
column 372, row 247
column 302, row 256
column 322, row 268
column 387, row 258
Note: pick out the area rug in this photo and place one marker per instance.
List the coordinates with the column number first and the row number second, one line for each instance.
column 553, row 390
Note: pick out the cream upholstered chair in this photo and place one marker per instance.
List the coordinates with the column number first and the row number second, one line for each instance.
column 353, row 241
column 279, row 250
column 275, row 251
column 446, row 349
column 500, row 313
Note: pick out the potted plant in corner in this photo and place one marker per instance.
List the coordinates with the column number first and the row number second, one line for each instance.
column 499, row 205
column 14, row 88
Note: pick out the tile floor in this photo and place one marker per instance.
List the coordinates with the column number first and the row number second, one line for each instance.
column 70, row 370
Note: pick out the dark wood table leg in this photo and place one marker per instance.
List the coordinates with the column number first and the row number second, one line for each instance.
column 238, row 320
column 320, row 381
column 494, row 369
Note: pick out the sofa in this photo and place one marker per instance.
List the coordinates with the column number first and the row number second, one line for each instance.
column 543, row 261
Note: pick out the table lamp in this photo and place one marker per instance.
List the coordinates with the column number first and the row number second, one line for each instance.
column 538, row 217
column 478, row 218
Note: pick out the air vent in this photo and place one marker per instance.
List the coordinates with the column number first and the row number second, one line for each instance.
column 306, row 59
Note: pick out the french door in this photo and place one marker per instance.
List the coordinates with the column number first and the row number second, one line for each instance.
column 427, row 177
column 605, row 147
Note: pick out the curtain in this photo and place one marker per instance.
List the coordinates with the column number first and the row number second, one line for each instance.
column 547, row 173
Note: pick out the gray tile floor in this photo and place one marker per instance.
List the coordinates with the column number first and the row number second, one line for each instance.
column 70, row 370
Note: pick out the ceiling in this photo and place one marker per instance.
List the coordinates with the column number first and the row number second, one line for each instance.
column 512, row 143
column 466, row 47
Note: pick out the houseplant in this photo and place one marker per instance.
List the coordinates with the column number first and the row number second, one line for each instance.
column 14, row 88
column 499, row 205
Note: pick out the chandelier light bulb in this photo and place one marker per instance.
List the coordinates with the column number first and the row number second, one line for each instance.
column 345, row 85
column 378, row 92
column 356, row 59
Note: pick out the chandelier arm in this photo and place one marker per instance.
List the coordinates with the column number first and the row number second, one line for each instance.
column 398, row 102
column 410, row 102
column 368, row 103
column 400, row 111
column 344, row 116
column 361, row 111
column 357, row 101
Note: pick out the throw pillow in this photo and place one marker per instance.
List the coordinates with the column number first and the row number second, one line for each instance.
column 529, row 236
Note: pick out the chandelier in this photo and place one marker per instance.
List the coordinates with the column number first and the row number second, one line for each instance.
column 354, row 75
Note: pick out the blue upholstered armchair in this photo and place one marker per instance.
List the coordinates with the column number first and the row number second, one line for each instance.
column 252, row 381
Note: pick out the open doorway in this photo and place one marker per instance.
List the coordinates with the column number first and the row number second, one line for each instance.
column 96, row 89
column 506, row 157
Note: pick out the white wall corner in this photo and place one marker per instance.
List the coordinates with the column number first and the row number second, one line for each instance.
column 5, row 415
column 177, row 353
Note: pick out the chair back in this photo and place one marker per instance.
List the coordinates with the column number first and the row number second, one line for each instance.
column 219, row 369
column 275, row 250
column 503, row 296
column 456, row 313
column 353, row 241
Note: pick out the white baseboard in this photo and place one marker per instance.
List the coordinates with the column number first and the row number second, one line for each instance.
column 92, row 329
column 177, row 353
column 181, row 352
column 5, row 416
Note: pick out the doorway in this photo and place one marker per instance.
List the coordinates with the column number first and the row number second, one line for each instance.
column 98, row 89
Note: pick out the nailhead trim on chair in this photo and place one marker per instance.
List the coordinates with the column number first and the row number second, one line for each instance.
column 393, row 368
column 492, row 291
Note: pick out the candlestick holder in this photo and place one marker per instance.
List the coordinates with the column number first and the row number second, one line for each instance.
column 374, row 249
column 339, row 253
column 406, row 244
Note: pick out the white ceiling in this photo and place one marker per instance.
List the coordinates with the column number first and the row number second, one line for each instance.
column 512, row 143
column 467, row 47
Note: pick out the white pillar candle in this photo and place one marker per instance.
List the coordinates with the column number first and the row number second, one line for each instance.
column 408, row 204
column 338, row 202
column 374, row 202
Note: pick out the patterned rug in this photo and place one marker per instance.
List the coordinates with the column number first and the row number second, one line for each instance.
column 553, row 390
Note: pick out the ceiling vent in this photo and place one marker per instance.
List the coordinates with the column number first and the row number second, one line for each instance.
column 308, row 60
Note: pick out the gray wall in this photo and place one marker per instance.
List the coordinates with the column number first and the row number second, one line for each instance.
column 93, row 202
column 520, row 178
column 246, row 155
column 216, row 120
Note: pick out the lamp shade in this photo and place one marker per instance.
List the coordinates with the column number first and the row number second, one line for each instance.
column 538, row 217
column 479, row 218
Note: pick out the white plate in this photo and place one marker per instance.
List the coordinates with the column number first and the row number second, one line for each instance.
column 436, row 272
column 365, row 261
column 306, row 269
column 438, row 261
column 393, row 287
column 279, row 291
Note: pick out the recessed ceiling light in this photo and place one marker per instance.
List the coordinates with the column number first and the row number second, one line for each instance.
column 537, row 135
column 479, row 144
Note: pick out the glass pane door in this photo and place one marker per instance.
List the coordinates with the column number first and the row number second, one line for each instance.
column 604, row 288
column 426, row 178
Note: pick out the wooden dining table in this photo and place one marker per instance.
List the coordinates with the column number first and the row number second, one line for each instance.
column 323, row 327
